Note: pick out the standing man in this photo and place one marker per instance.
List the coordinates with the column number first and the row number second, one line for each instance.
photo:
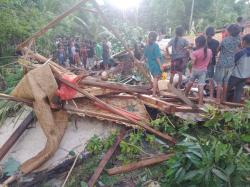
column 91, row 55
column 105, row 53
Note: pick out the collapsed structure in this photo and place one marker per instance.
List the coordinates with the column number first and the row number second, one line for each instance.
column 88, row 95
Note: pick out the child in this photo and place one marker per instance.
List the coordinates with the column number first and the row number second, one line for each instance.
column 179, row 55
column 61, row 55
column 241, row 71
column 83, row 55
column 77, row 60
column 224, row 67
column 214, row 46
column 152, row 55
column 200, row 58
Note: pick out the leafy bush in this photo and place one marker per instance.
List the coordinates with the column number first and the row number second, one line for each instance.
column 207, row 163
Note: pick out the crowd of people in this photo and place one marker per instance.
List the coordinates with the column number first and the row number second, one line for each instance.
column 225, row 65
column 82, row 53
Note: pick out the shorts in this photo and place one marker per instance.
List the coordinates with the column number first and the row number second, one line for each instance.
column 222, row 74
column 177, row 65
column 106, row 61
column 199, row 75
column 210, row 71
column 154, row 69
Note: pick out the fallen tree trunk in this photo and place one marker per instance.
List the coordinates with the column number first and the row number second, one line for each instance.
column 137, row 165
column 105, row 159
column 14, row 137
column 118, row 112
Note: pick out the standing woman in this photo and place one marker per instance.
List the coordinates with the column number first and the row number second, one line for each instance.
column 214, row 46
column 179, row 55
column 200, row 60
column 152, row 55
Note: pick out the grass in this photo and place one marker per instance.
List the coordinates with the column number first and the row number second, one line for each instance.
column 12, row 75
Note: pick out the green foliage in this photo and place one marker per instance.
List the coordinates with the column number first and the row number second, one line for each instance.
column 8, row 109
column 163, row 124
column 232, row 127
column 210, row 163
column 97, row 145
column 12, row 76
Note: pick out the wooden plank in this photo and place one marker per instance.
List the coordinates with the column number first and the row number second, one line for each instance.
column 140, row 164
column 118, row 112
column 179, row 94
column 156, row 103
column 116, row 86
column 105, row 159
column 174, row 98
column 14, row 137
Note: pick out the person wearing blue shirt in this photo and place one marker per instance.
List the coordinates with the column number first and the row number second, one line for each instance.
column 152, row 55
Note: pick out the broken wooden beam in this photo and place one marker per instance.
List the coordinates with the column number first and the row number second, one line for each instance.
column 105, row 159
column 158, row 104
column 174, row 98
column 117, row 86
column 14, row 137
column 139, row 164
column 118, row 112
column 180, row 95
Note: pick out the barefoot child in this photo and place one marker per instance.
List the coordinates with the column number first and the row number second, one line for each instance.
column 224, row 67
column 179, row 55
column 200, row 58
column 153, row 56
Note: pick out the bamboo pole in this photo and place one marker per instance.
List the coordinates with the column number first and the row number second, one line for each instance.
column 51, row 24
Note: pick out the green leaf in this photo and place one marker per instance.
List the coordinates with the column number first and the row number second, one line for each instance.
column 230, row 169
column 220, row 174
column 191, row 174
column 179, row 176
column 193, row 158
column 83, row 184
column 208, row 177
column 245, row 138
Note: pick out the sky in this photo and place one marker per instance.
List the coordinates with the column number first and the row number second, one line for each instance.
column 122, row 4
